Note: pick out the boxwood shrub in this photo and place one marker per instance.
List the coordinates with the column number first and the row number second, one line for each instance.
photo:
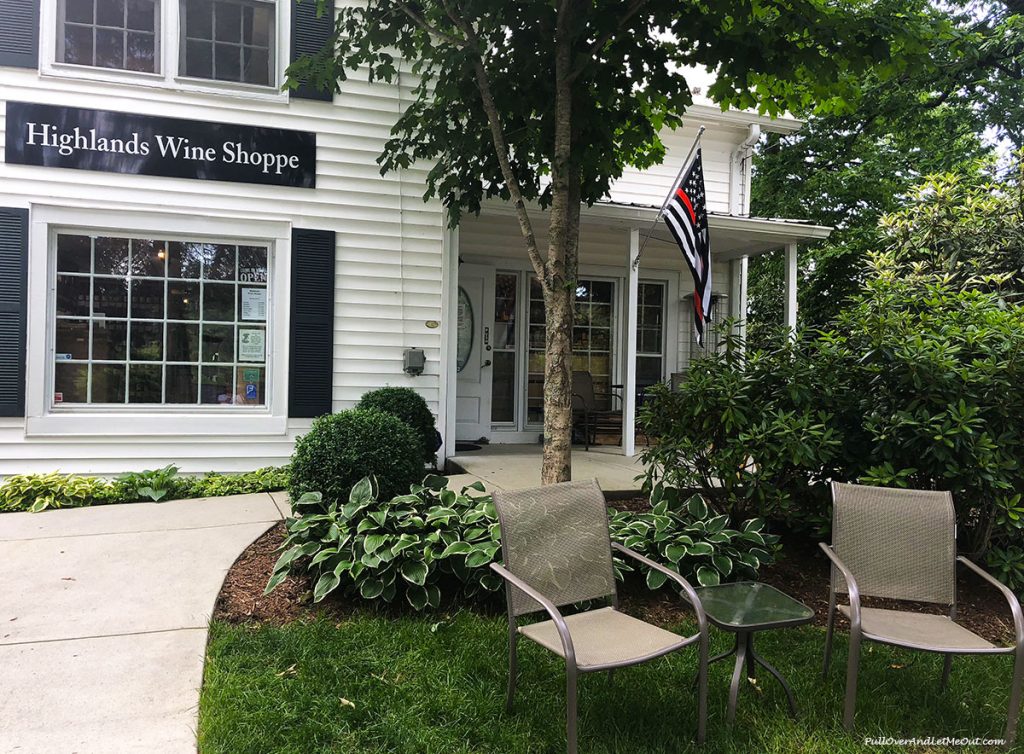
column 340, row 449
column 409, row 406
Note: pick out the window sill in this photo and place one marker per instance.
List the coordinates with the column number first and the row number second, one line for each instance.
column 128, row 423
column 181, row 84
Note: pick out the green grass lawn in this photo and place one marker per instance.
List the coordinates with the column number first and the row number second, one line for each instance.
column 436, row 684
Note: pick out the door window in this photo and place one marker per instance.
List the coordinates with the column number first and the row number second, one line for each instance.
column 503, row 380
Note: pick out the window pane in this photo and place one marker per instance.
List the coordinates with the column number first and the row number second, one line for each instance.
column 71, row 383
column 220, row 262
column 601, row 291
column 141, row 52
column 218, row 343
column 600, row 339
column 252, row 303
column 72, row 341
column 73, row 253
column 147, row 299
column 252, row 344
column 250, row 385
column 145, row 383
column 648, row 370
column 227, row 22
column 147, row 341
column 72, row 295
column 199, row 19
column 217, row 385
column 255, row 66
column 503, row 387
column 148, row 258
column 110, row 297
column 142, row 15
column 199, row 59
column 227, row 62
column 219, row 302
column 182, row 384
column 182, row 300
column 252, row 264
column 108, row 383
column 111, row 256
column 109, row 340
column 182, row 342
column 79, row 11
column 184, row 260
column 109, row 48
column 78, row 45
column 110, row 12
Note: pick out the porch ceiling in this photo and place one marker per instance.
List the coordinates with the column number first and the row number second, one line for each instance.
column 605, row 232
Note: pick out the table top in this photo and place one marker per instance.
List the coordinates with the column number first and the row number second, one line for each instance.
column 751, row 605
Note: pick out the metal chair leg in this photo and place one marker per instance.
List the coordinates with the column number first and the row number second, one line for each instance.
column 852, row 667
column 830, row 629
column 1013, row 715
column 570, row 710
column 947, row 668
column 737, row 674
column 702, row 691
column 513, row 668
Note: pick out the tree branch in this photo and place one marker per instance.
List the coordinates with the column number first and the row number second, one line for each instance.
column 431, row 30
column 595, row 48
column 501, row 149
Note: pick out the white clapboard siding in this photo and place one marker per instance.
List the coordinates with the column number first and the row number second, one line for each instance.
column 389, row 250
column 650, row 187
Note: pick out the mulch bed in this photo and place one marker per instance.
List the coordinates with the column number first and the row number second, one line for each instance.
column 801, row 571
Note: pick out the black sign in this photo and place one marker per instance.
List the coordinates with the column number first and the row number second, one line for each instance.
column 111, row 142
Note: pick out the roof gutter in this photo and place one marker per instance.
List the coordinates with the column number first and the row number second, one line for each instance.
column 739, row 171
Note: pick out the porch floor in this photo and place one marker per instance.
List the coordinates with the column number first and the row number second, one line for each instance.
column 516, row 467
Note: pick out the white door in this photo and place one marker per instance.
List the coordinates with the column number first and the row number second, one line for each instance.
column 473, row 352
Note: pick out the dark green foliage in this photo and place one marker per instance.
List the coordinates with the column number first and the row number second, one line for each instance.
column 36, row 492
column 409, row 406
column 692, row 538
column 919, row 385
column 340, row 449
column 414, row 546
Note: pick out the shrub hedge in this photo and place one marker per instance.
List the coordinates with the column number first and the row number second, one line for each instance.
column 410, row 407
column 340, row 449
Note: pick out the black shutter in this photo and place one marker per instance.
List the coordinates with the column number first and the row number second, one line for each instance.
column 19, row 33
column 13, row 307
column 311, row 357
column 309, row 35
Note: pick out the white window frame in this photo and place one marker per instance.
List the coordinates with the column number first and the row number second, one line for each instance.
column 44, row 418
column 272, row 52
column 168, row 57
column 59, row 41
column 664, row 326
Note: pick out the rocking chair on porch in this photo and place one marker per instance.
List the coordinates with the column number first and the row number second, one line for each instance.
column 587, row 416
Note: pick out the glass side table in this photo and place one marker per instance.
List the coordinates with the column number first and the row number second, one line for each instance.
column 744, row 608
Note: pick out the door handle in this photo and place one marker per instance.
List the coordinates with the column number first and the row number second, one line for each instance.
column 486, row 363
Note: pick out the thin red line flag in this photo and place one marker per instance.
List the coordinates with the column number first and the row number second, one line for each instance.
column 686, row 216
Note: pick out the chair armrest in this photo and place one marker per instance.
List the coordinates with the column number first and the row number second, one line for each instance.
column 688, row 590
column 851, row 585
column 1011, row 598
column 549, row 608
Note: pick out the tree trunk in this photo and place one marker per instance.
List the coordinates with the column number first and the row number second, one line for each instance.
column 557, row 462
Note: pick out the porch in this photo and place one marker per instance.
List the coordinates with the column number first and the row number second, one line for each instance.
column 633, row 324
column 515, row 467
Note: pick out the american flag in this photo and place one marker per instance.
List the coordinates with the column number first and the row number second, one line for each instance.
column 686, row 216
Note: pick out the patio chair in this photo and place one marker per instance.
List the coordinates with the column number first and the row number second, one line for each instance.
column 586, row 411
column 557, row 551
column 901, row 544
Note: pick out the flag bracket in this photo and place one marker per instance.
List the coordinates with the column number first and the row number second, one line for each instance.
column 682, row 169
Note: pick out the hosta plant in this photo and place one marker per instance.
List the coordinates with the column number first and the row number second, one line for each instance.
column 407, row 547
column 39, row 492
column 689, row 537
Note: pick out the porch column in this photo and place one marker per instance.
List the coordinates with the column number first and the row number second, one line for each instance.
column 790, row 292
column 738, row 294
column 449, row 336
column 629, row 384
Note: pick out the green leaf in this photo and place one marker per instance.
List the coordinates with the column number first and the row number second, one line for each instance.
column 722, row 563
column 701, row 548
column 374, row 542
column 417, row 597
column 697, row 507
column 415, row 572
column 457, row 548
column 707, row 576
column 321, row 556
column 479, row 557
column 325, row 585
column 655, row 579
column 362, row 492
column 275, row 581
column 371, row 588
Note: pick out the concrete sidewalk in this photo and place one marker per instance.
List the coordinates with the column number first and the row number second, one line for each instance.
column 103, row 620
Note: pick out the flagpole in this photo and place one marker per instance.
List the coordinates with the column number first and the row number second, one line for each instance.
column 668, row 198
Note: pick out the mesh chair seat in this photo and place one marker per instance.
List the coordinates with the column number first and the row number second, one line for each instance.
column 935, row 632
column 606, row 637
